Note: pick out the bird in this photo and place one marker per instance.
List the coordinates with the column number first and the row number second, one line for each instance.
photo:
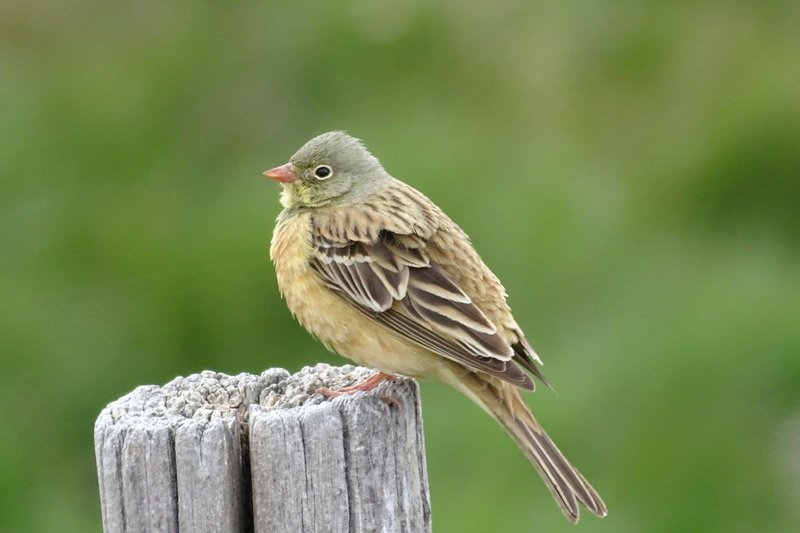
column 379, row 274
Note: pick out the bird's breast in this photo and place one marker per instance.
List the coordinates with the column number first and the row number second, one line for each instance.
column 307, row 297
column 333, row 321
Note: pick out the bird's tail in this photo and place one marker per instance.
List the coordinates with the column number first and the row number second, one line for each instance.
column 505, row 404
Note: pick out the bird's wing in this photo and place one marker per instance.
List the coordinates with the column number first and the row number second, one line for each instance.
column 392, row 280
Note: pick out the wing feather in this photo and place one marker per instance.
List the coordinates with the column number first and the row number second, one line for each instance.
column 466, row 314
column 405, row 325
column 394, row 282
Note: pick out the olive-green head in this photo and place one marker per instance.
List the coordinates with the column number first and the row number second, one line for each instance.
column 331, row 169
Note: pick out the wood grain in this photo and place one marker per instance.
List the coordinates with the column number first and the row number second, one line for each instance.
column 211, row 452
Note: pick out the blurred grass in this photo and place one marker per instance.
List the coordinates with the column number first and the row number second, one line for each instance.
column 630, row 171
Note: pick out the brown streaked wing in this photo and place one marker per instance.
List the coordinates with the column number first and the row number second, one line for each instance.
column 409, row 328
column 433, row 311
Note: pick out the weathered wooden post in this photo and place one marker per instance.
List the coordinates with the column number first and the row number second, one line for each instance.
column 217, row 453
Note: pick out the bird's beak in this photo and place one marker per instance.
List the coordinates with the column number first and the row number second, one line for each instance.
column 282, row 174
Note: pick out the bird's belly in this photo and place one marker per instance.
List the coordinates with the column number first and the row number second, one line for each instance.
column 333, row 321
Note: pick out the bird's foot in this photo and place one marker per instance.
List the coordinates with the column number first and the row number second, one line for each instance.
column 363, row 386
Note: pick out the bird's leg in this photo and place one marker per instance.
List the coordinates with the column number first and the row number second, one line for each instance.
column 363, row 386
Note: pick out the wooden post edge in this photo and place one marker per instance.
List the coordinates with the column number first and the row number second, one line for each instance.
column 265, row 453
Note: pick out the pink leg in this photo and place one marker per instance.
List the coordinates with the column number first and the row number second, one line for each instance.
column 368, row 384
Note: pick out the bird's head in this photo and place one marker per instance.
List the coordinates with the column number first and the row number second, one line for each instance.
column 330, row 169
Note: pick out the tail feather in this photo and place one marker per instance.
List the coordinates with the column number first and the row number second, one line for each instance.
column 505, row 404
column 564, row 481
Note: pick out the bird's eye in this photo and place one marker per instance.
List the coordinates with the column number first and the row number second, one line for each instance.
column 323, row 172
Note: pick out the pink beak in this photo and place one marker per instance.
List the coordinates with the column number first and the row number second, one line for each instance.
column 282, row 174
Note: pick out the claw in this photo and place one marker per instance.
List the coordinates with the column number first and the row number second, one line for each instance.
column 368, row 384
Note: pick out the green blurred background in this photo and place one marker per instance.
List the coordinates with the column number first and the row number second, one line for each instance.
column 630, row 171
